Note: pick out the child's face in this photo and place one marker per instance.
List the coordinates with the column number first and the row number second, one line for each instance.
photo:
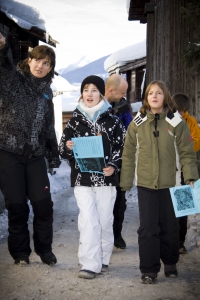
column 91, row 95
column 156, row 99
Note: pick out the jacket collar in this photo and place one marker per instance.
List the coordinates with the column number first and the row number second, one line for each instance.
column 37, row 84
column 106, row 108
column 151, row 116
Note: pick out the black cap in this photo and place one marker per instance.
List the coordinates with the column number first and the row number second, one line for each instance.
column 96, row 80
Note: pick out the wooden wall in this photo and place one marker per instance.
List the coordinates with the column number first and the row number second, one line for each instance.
column 66, row 116
column 19, row 39
column 168, row 32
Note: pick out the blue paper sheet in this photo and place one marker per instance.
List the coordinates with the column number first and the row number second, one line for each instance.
column 89, row 153
column 186, row 200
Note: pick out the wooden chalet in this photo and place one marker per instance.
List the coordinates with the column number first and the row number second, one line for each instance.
column 20, row 39
column 130, row 62
column 168, row 33
column 135, row 76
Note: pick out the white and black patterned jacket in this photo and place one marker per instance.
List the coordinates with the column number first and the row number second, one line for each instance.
column 26, row 112
column 113, row 133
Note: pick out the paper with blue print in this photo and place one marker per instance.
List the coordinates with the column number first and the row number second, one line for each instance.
column 89, row 153
column 186, row 200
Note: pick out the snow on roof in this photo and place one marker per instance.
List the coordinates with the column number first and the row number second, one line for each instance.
column 125, row 55
column 23, row 15
column 128, row 5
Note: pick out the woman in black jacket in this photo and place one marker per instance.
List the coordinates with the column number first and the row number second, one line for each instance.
column 27, row 135
column 95, row 192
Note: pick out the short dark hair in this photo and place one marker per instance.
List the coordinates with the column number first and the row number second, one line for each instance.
column 181, row 102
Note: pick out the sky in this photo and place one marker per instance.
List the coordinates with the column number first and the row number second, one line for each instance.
column 91, row 28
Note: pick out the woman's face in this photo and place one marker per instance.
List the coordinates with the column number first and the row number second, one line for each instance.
column 156, row 99
column 91, row 95
column 39, row 67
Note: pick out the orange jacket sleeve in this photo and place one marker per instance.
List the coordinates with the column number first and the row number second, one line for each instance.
column 194, row 130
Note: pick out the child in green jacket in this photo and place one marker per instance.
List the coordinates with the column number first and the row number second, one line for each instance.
column 149, row 156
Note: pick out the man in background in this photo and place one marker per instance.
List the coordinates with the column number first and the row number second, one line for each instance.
column 115, row 91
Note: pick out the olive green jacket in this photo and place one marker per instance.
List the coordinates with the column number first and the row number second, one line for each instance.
column 152, row 160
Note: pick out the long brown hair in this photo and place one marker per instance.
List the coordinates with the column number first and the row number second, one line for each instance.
column 40, row 52
column 168, row 103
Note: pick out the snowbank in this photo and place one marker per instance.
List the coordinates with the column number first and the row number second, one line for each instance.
column 70, row 100
column 61, row 179
column 60, row 84
column 3, row 225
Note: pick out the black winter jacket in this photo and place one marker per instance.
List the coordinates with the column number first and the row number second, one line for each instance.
column 26, row 112
column 113, row 134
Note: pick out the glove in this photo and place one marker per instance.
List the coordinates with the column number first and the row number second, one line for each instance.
column 54, row 162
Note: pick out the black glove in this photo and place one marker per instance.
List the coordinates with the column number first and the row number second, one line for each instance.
column 54, row 162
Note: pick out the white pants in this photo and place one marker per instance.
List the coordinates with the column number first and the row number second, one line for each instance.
column 95, row 223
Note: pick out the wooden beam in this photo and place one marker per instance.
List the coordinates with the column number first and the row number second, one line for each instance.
column 149, row 8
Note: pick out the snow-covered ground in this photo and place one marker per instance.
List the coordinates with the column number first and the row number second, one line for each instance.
column 61, row 181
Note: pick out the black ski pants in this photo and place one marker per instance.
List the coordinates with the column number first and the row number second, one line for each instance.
column 182, row 220
column 118, row 212
column 158, row 233
column 24, row 179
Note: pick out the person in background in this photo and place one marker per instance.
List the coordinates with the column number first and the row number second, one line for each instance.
column 27, row 135
column 95, row 192
column 182, row 105
column 150, row 156
column 115, row 91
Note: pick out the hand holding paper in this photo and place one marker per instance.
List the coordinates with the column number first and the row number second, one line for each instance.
column 89, row 153
column 108, row 171
column 192, row 184
column 70, row 144
column 185, row 199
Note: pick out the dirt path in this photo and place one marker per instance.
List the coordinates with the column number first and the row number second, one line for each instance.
column 38, row 281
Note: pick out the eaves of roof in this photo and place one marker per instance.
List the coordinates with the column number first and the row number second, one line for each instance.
column 36, row 31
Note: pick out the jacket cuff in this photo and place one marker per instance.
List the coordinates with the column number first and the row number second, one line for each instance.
column 126, row 188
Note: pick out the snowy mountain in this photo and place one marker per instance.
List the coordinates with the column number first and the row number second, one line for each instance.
column 77, row 75
column 80, row 63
